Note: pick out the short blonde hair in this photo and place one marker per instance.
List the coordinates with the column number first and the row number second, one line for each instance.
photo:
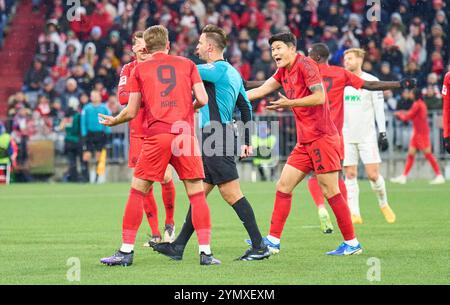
column 358, row 52
column 216, row 34
column 156, row 38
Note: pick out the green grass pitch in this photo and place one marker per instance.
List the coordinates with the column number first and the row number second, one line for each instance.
column 43, row 225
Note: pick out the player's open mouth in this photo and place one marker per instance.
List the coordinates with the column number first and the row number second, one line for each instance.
column 277, row 60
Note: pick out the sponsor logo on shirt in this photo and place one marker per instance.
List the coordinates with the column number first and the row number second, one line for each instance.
column 352, row 98
column 444, row 90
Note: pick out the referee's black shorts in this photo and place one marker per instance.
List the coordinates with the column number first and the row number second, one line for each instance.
column 95, row 141
column 219, row 156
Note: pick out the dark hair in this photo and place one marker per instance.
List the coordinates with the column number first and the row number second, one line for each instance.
column 286, row 37
column 216, row 34
column 138, row 34
column 321, row 49
column 417, row 93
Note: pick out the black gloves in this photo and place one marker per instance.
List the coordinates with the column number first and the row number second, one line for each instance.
column 447, row 144
column 408, row 83
column 383, row 141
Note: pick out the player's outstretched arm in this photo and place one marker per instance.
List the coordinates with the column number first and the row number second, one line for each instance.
column 252, row 84
column 126, row 115
column 317, row 97
column 268, row 87
column 406, row 83
column 201, row 97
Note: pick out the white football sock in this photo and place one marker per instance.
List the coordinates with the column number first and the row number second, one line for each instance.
column 354, row 242
column 379, row 187
column 205, row 249
column 273, row 240
column 127, row 248
column 353, row 196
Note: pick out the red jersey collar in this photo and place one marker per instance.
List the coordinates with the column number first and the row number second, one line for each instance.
column 159, row 54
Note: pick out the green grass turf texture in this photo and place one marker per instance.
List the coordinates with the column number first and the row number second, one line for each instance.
column 42, row 225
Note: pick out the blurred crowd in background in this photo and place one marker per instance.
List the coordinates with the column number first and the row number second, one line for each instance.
column 6, row 9
column 74, row 57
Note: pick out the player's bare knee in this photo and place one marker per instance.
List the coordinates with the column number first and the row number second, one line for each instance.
column 350, row 175
column 232, row 198
column 167, row 177
column 141, row 185
column 284, row 187
column 373, row 176
column 231, row 192
column 329, row 189
column 193, row 186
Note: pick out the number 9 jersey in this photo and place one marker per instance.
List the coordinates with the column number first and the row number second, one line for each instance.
column 166, row 83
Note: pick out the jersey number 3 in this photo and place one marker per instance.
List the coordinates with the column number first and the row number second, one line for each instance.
column 167, row 76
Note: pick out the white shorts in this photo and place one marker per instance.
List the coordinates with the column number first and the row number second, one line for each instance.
column 368, row 152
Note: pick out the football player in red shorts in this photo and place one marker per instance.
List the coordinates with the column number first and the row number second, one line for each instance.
column 318, row 146
column 420, row 140
column 446, row 111
column 165, row 84
column 336, row 79
column 137, row 135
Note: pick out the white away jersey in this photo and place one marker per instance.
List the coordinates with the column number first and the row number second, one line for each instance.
column 361, row 109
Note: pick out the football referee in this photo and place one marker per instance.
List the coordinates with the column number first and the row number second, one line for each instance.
column 226, row 91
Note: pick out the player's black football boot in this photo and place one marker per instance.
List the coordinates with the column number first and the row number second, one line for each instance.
column 171, row 250
column 206, row 260
column 253, row 254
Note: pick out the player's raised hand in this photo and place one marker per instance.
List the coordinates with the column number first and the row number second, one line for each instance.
column 246, row 151
column 106, row 120
column 139, row 46
column 282, row 102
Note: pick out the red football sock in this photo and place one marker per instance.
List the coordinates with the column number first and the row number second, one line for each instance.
column 433, row 162
column 281, row 209
column 132, row 217
column 201, row 219
column 409, row 164
column 343, row 189
column 343, row 218
column 316, row 192
column 151, row 211
column 168, row 196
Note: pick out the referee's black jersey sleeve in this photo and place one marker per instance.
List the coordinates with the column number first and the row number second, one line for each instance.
column 246, row 115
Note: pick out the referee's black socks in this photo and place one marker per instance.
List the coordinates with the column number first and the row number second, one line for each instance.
column 187, row 230
column 245, row 212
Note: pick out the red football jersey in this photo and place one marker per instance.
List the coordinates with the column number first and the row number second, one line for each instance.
column 166, row 84
column 336, row 79
column 446, row 106
column 137, row 124
column 418, row 114
column 312, row 122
